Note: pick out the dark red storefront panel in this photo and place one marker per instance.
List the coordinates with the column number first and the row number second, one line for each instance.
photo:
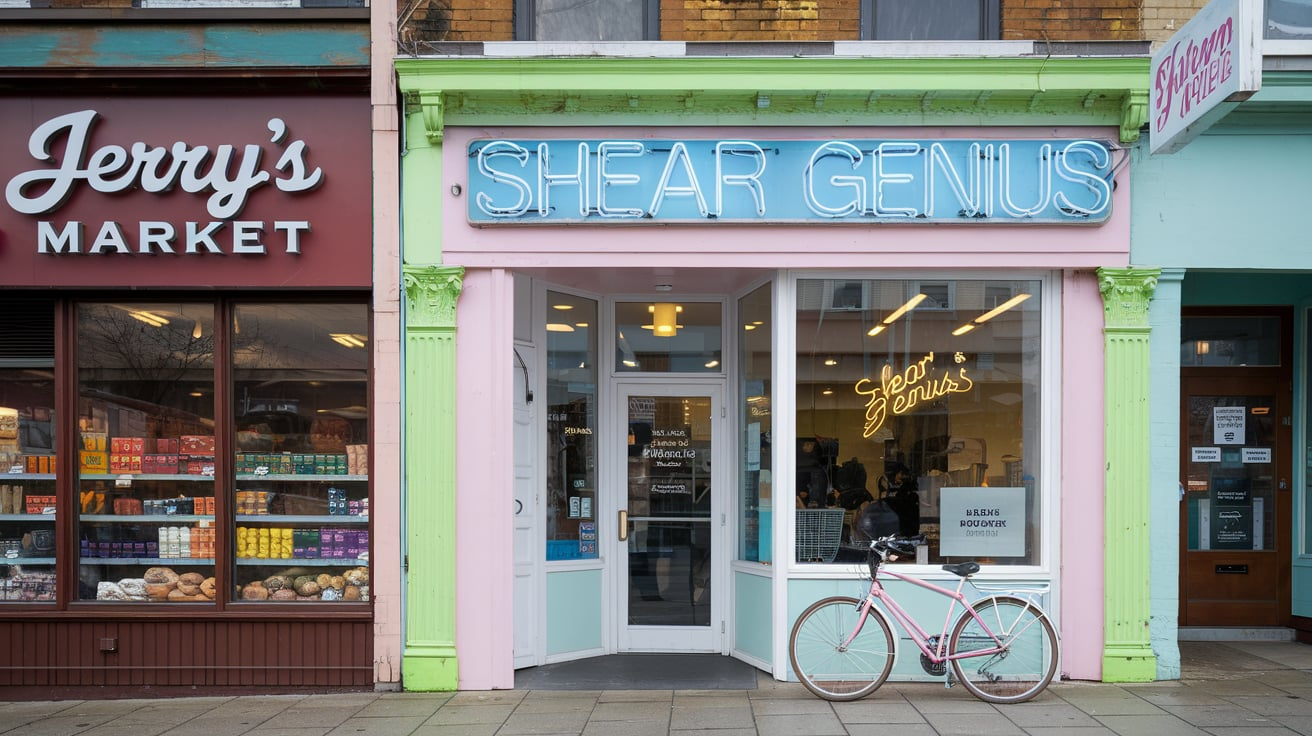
column 257, row 238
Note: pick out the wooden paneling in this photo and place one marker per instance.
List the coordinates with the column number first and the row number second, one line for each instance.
column 294, row 653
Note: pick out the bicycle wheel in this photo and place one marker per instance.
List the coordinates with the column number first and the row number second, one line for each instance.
column 824, row 665
column 1026, row 661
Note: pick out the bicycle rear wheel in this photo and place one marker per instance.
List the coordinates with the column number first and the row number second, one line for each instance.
column 1024, row 664
column 824, row 665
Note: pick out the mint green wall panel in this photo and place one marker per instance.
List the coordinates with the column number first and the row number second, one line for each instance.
column 753, row 625
column 1208, row 207
column 573, row 611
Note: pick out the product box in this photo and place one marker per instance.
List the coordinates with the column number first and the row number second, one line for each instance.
column 196, row 445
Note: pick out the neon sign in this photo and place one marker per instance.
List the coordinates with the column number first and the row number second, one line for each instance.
column 535, row 182
column 900, row 393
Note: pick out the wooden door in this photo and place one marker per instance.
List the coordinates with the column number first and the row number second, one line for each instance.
column 1235, row 514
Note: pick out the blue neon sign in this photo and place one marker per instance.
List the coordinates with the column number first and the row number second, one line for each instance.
column 743, row 181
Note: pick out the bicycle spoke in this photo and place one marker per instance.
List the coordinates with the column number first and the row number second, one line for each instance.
column 824, row 665
column 1025, row 661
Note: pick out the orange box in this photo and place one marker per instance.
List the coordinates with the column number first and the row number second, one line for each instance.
column 93, row 462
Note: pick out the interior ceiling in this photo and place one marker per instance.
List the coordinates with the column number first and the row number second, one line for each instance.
column 647, row 280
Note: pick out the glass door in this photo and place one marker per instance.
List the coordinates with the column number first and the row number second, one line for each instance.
column 670, row 520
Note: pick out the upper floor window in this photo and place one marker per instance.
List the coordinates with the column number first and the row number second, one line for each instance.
column 941, row 20
column 587, row 20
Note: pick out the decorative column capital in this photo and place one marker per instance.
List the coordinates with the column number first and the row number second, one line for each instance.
column 1125, row 295
column 431, row 293
column 434, row 107
column 1134, row 113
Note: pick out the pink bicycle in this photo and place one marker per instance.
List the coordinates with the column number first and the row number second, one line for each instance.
column 1002, row 648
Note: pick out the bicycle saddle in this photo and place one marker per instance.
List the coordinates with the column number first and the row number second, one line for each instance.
column 963, row 569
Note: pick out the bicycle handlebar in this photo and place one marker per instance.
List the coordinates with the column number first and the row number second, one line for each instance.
column 890, row 547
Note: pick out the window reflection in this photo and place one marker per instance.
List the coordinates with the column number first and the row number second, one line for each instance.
column 923, row 393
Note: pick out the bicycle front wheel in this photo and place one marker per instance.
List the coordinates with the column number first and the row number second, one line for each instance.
column 1017, row 669
column 828, row 668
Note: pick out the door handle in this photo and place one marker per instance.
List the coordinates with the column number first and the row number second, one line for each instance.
column 624, row 525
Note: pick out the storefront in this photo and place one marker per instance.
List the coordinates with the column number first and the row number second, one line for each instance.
column 1230, row 324
column 688, row 311
column 185, row 390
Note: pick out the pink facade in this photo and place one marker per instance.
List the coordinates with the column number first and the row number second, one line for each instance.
column 735, row 255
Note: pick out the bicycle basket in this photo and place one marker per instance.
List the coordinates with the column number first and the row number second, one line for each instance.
column 818, row 533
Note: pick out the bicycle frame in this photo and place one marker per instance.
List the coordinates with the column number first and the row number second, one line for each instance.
column 913, row 629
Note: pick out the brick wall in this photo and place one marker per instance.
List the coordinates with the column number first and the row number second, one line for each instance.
column 1071, row 20
column 1161, row 18
column 825, row 20
column 760, row 20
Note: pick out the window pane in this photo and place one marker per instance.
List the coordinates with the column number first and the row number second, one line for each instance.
column 1288, row 19
column 27, row 451
column 755, row 363
column 925, row 394
column 667, row 337
column 589, row 20
column 571, row 427
column 1226, row 341
column 301, row 500
column 939, row 20
column 146, row 464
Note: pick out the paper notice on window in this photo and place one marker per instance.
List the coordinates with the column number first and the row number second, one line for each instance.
column 1205, row 455
column 1228, row 424
column 1256, row 454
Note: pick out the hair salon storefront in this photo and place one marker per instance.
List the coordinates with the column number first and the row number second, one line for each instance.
column 185, row 384
column 675, row 316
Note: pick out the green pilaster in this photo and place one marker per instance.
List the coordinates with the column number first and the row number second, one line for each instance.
column 1127, row 654
column 429, row 659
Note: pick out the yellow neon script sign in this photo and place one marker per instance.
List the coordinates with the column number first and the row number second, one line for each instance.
column 902, row 392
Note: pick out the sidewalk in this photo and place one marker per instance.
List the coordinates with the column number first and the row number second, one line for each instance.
column 1228, row 689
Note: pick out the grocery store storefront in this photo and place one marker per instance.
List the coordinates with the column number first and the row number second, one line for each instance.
column 686, row 337
column 185, row 380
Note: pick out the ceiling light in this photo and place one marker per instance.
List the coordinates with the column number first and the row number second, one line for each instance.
column 562, row 307
column 910, row 305
column 963, row 329
column 712, row 363
column 664, row 319
column 559, row 327
column 150, row 318
column 749, row 328
column 828, row 392
column 831, row 360
column 876, row 329
column 348, row 339
column 195, row 331
column 1001, row 308
column 630, row 363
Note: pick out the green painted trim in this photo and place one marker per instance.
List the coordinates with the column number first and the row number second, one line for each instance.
column 1128, row 664
column 429, row 660
column 1127, row 601
column 1099, row 91
column 336, row 45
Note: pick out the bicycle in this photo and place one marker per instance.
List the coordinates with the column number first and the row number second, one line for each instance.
column 1002, row 648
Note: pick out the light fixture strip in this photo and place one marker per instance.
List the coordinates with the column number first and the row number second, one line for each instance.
column 910, row 305
column 1001, row 308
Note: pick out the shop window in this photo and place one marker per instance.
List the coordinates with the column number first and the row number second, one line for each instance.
column 1213, row 341
column 755, row 361
column 300, row 402
column 146, row 519
column 27, row 451
column 927, row 397
column 571, row 452
column 668, row 337
column 164, row 489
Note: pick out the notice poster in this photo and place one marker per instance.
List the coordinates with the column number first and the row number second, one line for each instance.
column 1228, row 425
column 1231, row 512
column 982, row 522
